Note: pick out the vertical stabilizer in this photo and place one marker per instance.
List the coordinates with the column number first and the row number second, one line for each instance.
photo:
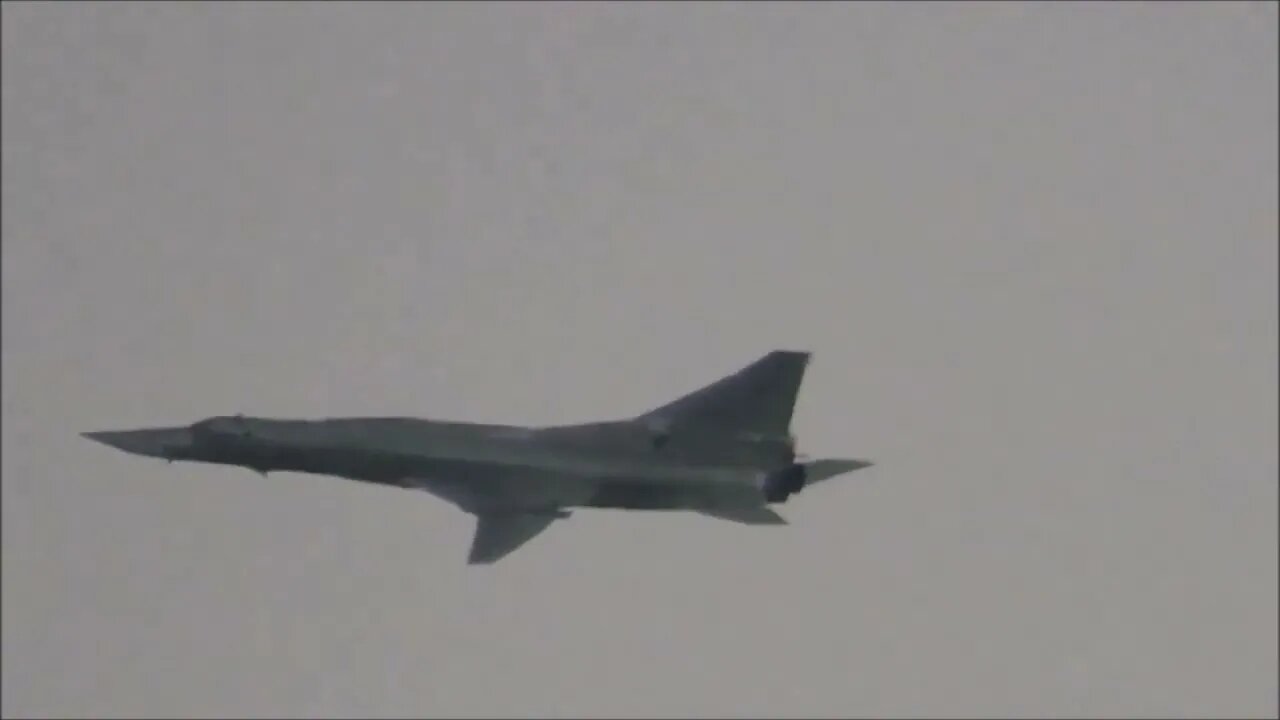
column 759, row 398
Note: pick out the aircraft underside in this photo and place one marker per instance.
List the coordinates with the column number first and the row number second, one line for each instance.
column 533, row 489
column 724, row 450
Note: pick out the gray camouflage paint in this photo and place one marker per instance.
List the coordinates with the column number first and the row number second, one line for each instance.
column 724, row 450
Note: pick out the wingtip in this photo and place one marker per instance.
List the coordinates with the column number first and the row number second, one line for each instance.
column 475, row 558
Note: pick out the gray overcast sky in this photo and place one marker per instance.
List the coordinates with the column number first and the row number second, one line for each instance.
column 1032, row 247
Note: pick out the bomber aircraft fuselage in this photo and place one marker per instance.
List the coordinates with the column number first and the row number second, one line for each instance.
column 725, row 451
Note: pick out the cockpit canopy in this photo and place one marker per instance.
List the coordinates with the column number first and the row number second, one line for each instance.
column 221, row 426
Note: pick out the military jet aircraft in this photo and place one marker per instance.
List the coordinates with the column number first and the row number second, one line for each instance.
column 725, row 450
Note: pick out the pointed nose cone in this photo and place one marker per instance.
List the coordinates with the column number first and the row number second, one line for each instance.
column 158, row 442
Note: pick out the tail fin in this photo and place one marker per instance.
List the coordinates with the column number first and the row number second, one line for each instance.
column 759, row 398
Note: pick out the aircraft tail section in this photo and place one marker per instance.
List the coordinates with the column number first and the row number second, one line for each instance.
column 818, row 470
column 782, row 484
column 758, row 398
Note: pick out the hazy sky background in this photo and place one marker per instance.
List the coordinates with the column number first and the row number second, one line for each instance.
column 1033, row 248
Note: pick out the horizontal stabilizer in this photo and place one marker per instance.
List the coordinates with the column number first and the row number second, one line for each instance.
column 752, row 515
column 819, row 470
